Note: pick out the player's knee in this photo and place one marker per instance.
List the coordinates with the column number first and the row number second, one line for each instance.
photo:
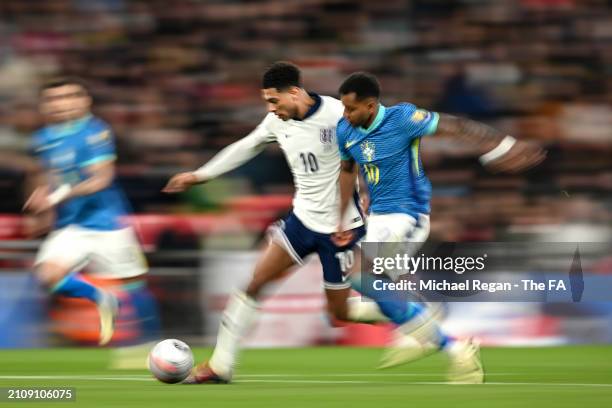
column 261, row 278
column 49, row 274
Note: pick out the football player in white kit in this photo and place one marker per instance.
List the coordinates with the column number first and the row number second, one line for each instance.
column 304, row 125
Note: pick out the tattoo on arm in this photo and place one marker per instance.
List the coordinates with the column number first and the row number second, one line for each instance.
column 469, row 131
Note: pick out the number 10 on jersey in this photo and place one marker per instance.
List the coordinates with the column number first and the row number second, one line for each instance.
column 371, row 173
column 309, row 160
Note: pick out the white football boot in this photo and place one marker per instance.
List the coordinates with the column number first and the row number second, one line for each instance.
column 466, row 366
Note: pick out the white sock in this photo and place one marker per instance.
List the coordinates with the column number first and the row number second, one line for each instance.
column 364, row 311
column 238, row 317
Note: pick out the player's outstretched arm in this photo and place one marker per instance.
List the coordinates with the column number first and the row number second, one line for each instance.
column 498, row 152
column 101, row 175
column 181, row 182
column 227, row 159
column 35, row 225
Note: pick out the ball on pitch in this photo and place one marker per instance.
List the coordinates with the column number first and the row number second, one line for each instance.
column 170, row 361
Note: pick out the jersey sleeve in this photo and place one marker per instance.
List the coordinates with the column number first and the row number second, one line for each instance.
column 420, row 122
column 99, row 147
column 340, row 138
column 239, row 152
column 36, row 142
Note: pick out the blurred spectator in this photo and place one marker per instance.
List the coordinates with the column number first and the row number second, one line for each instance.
column 179, row 82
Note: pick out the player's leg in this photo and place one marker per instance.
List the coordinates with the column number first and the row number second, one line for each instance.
column 419, row 333
column 337, row 304
column 142, row 316
column 62, row 278
column 239, row 316
column 115, row 255
column 373, row 306
column 288, row 244
column 242, row 308
column 362, row 309
column 343, row 308
column 337, row 287
column 377, row 306
column 57, row 264
column 337, row 264
column 273, row 264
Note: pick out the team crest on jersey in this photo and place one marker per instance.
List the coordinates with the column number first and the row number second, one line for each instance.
column 328, row 136
column 419, row 115
column 368, row 150
column 63, row 159
column 98, row 137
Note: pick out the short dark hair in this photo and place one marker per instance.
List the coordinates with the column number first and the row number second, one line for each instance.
column 63, row 81
column 282, row 75
column 364, row 84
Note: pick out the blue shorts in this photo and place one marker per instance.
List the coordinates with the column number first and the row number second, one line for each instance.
column 299, row 241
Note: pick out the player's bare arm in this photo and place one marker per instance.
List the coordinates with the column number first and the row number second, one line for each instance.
column 364, row 195
column 348, row 173
column 229, row 158
column 35, row 225
column 100, row 177
column 181, row 182
column 499, row 152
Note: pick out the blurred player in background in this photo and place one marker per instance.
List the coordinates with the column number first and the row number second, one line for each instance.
column 304, row 125
column 384, row 143
column 77, row 154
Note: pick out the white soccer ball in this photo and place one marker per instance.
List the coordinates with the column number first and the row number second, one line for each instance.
column 170, row 361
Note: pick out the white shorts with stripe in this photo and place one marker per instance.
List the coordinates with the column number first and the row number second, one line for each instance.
column 107, row 254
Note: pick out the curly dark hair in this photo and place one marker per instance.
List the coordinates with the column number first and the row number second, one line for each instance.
column 363, row 84
column 282, row 75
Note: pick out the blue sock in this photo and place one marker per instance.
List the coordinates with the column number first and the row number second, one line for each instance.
column 445, row 340
column 399, row 311
column 73, row 286
column 391, row 303
column 146, row 311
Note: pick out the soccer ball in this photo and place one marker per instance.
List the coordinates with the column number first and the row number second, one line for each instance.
column 170, row 361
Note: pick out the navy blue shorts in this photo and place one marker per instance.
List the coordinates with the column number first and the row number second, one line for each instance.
column 299, row 241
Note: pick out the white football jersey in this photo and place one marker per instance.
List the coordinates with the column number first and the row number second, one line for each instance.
column 313, row 157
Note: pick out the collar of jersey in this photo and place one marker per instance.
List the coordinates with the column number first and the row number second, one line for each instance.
column 68, row 128
column 379, row 117
column 314, row 108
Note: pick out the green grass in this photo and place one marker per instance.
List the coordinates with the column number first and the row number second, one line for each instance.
column 328, row 377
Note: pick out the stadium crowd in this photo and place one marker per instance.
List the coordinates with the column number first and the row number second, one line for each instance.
column 179, row 80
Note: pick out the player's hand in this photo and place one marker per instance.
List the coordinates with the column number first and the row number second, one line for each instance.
column 522, row 156
column 342, row 238
column 39, row 201
column 180, row 183
column 33, row 226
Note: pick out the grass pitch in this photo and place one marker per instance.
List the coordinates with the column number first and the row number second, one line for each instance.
column 325, row 377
